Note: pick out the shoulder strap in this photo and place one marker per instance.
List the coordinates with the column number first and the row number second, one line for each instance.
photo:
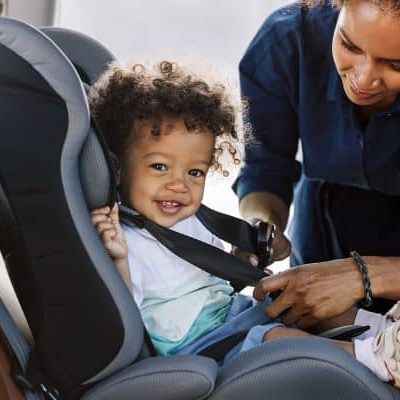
column 207, row 257
column 230, row 229
column 255, row 239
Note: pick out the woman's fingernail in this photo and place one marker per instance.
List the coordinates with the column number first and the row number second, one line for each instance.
column 253, row 261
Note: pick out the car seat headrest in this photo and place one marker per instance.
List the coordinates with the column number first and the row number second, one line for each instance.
column 77, row 47
column 96, row 173
column 96, row 169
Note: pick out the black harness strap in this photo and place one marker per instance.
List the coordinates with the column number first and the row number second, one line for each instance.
column 230, row 229
column 218, row 350
column 207, row 257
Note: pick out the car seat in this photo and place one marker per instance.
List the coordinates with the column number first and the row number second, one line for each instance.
column 88, row 334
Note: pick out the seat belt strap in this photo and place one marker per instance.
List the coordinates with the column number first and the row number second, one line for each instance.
column 218, row 350
column 230, row 229
column 209, row 258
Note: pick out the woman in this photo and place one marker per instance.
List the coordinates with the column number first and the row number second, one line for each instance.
column 329, row 75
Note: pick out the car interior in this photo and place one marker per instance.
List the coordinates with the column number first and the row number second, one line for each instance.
column 69, row 328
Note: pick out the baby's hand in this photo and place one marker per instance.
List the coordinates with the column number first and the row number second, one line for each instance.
column 107, row 224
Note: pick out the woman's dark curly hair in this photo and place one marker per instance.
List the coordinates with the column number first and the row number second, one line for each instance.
column 392, row 6
column 123, row 96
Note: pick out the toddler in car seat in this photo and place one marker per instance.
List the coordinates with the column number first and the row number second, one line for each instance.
column 166, row 129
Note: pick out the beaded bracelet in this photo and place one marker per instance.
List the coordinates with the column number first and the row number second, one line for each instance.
column 367, row 301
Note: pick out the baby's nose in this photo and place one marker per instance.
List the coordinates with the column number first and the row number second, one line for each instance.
column 177, row 184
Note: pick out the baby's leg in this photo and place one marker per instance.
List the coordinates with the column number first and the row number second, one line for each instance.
column 283, row 331
column 347, row 318
column 376, row 322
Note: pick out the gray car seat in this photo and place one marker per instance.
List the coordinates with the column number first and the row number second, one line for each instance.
column 89, row 337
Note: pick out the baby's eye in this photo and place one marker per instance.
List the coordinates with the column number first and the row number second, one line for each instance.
column 197, row 173
column 159, row 167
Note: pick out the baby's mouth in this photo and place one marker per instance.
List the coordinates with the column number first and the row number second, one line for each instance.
column 169, row 207
column 170, row 204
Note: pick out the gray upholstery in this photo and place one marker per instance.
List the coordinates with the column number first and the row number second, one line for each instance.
column 96, row 185
column 77, row 46
column 36, row 49
column 289, row 369
column 177, row 378
column 299, row 368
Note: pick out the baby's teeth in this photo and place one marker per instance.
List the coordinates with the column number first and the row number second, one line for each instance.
column 169, row 204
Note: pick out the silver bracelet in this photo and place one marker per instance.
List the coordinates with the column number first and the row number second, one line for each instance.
column 367, row 301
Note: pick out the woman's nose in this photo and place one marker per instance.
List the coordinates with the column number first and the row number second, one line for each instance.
column 367, row 76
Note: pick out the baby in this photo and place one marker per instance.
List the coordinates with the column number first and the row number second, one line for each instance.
column 166, row 129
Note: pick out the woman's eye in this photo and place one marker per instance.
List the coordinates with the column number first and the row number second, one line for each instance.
column 395, row 66
column 197, row 173
column 159, row 167
column 348, row 46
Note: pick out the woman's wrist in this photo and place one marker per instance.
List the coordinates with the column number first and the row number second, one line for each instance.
column 384, row 275
column 355, row 281
column 363, row 269
column 264, row 206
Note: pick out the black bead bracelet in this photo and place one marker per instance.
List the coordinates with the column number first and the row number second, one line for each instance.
column 367, row 301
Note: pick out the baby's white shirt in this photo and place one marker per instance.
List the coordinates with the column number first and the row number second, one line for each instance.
column 169, row 291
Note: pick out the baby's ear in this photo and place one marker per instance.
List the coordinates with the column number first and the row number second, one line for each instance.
column 117, row 167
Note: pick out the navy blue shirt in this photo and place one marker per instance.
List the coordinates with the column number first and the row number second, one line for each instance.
column 294, row 91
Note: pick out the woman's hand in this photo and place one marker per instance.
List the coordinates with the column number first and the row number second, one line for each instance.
column 107, row 224
column 267, row 207
column 281, row 248
column 313, row 292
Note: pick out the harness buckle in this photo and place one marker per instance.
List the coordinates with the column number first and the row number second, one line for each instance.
column 265, row 237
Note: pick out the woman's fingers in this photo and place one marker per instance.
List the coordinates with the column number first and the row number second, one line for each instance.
column 245, row 256
column 269, row 284
column 293, row 314
column 281, row 247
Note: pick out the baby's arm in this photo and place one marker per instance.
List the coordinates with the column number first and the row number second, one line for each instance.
column 107, row 224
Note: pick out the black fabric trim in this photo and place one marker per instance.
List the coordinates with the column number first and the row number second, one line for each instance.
column 230, row 229
column 218, row 350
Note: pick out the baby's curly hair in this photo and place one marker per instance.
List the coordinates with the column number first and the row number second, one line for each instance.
column 123, row 96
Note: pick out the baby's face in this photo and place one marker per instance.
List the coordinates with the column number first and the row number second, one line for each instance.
column 164, row 178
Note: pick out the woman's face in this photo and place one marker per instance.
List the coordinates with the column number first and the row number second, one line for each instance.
column 366, row 52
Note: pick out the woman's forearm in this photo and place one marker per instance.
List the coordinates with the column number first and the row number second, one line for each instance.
column 384, row 274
